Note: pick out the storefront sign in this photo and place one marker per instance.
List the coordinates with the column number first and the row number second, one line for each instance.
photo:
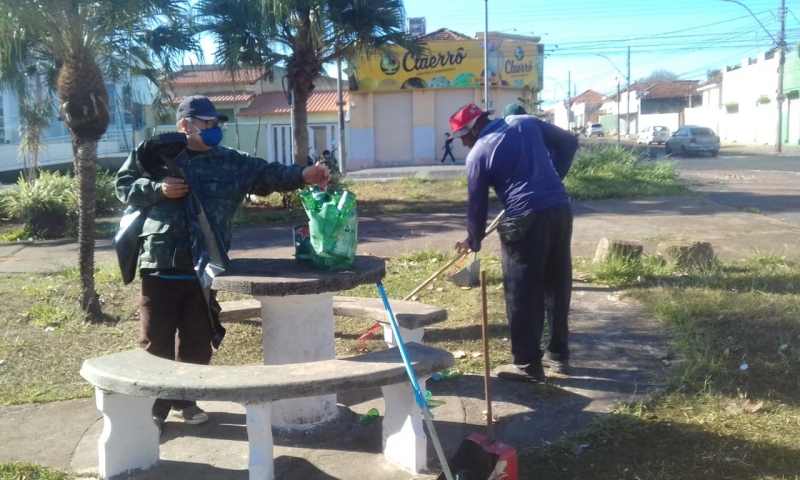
column 453, row 64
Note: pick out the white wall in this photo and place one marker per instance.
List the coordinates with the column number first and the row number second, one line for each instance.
column 754, row 122
column 669, row 120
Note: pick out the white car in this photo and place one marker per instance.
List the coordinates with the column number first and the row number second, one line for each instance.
column 653, row 134
column 594, row 130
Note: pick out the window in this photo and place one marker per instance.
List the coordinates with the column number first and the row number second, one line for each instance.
column 702, row 132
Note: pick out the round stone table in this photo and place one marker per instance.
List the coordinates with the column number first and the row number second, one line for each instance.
column 297, row 318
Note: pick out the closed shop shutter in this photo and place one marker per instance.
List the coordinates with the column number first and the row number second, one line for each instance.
column 503, row 97
column 393, row 129
column 447, row 102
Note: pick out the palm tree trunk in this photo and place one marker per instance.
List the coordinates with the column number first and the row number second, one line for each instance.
column 86, row 173
column 299, row 106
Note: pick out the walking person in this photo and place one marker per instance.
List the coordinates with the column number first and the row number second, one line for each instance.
column 525, row 161
column 173, row 310
column 448, row 149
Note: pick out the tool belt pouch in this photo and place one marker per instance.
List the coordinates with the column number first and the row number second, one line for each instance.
column 514, row 229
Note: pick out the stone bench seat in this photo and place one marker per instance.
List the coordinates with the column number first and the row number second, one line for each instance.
column 127, row 383
column 412, row 317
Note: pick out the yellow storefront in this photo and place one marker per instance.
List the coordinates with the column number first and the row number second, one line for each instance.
column 400, row 103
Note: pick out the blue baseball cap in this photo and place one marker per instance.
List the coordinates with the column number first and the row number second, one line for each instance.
column 200, row 107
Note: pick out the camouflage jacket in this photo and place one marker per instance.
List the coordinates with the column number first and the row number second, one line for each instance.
column 224, row 175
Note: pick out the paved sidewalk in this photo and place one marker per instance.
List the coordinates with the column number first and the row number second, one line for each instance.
column 619, row 354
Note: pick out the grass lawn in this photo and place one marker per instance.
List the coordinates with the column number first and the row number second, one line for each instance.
column 21, row 471
column 712, row 420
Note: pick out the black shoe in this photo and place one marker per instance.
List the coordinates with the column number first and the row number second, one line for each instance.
column 555, row 362
column 530, row 373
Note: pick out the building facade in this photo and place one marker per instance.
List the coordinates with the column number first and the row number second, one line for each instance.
column 400, row 104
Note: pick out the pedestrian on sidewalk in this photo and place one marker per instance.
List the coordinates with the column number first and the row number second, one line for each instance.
column 173, row 310
column 525, row 160
column 448, row 149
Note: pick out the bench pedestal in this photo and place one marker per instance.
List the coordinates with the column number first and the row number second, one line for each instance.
column 130, row 438
column 299, row 329
column 404, row 440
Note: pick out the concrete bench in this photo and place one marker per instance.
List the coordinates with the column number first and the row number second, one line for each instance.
column 127, row 383
column 412, row 317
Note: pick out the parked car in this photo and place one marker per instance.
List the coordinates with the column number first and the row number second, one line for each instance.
column 692, row 139
column 594, row 130
column 653, row 134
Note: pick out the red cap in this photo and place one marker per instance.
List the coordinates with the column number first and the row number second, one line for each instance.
column 464, row 119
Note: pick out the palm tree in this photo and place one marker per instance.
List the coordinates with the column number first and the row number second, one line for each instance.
column 78, row 40
column 302, row 36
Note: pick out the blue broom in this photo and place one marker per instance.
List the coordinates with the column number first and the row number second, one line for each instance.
column 420, row 397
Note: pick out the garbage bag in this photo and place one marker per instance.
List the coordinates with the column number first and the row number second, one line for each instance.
column 333, row 228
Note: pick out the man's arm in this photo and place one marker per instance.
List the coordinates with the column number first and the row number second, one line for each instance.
column 562, row 146
column 272, row 177
column 477, row 199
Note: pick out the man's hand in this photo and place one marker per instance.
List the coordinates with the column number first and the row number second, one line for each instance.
column 174, row 187
column 462, row 247
column 317, row 175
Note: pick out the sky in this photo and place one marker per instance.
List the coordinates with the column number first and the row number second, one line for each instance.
column 685, row 37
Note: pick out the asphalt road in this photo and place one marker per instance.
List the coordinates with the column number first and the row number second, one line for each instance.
column 764, row 185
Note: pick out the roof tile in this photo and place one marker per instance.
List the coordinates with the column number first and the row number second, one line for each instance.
column 223, row 97
column 274, row 103
column 443, row 34
column 213, row 74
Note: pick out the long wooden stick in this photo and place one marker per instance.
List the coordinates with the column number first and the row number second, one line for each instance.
column 485, row 330
column 489, row 230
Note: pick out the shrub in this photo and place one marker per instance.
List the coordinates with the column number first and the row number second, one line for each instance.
column 48, row 205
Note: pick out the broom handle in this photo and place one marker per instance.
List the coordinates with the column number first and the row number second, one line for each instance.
column 485, row 329
column 426, row 415
column 489, row 230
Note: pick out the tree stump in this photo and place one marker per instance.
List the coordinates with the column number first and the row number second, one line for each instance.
column 608, row 248
column 686, row 254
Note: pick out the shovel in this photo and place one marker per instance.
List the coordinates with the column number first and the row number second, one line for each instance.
column 489, row 230
column 483, row 457
column 469, row 275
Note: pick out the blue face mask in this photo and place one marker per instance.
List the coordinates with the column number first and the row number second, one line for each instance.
column 211, row 137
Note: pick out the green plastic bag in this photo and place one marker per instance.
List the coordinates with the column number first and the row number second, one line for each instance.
column 333, row 227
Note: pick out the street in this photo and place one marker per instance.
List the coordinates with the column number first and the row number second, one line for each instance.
column 759, row 184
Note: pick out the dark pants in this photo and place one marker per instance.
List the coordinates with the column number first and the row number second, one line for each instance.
column 446, row 153
column 170, row 307
column 537, row 269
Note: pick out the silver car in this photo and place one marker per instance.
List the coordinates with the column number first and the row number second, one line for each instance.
column 692, row 139
column 653, row 134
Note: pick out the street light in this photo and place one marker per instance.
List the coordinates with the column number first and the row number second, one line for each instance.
column 781, row 43
column 615, row 66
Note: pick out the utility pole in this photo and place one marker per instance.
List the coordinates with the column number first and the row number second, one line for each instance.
column 486, row 77
column 340, row 103
column 618, row 106
column 628, row 93
column 569, row 101
column 781, row 60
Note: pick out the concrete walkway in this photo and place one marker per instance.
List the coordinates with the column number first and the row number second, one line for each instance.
column 618, row 353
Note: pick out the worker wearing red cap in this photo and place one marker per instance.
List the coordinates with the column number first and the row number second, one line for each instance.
column 525, row 161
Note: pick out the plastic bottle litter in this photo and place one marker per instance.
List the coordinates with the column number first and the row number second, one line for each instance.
column 437, row 377
column 333, row 227
column 369, row 417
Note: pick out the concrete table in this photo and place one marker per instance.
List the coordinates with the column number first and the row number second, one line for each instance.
column 297, row 318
